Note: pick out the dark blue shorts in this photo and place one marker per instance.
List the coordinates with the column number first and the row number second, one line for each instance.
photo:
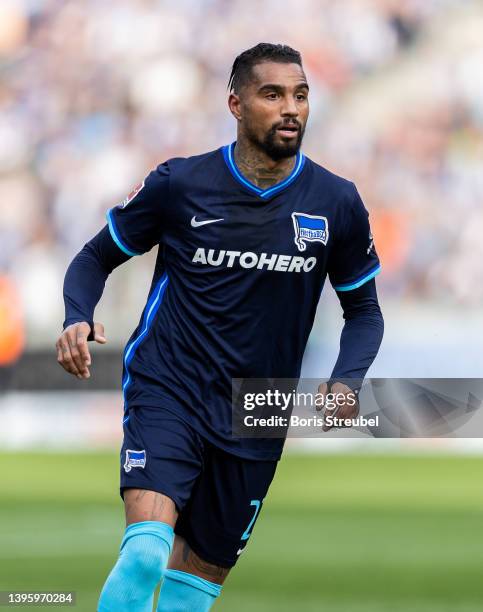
column 218, row 495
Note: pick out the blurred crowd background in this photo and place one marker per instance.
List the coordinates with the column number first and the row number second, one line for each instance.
column 94, row 93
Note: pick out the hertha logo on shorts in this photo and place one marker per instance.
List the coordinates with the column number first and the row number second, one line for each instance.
column 134, row 458
column 309, row 228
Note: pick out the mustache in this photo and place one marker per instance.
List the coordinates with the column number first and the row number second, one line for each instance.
column 291, row 124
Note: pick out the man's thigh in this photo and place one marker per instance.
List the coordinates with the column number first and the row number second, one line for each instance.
column 161, row 459
column 214, row 527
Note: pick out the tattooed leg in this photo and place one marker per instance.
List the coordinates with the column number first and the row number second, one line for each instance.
column 141, row 505
column 183, row 558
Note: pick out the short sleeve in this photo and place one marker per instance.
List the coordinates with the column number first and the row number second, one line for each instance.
column 353, row 259
column 137, row 223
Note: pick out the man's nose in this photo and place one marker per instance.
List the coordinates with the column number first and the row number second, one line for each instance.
column 289, row 108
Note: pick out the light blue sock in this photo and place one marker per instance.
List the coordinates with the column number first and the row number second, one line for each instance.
column 144, row 554
column 183, row 592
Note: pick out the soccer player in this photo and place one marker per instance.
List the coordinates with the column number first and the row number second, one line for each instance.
column 246, row 235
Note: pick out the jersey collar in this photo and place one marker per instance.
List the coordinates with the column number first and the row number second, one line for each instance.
column 229, row 158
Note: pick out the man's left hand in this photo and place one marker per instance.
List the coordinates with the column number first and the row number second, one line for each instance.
column 345, row 400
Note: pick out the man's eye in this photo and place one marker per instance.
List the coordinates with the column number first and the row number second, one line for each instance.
column 301, row 97
column 272, row 96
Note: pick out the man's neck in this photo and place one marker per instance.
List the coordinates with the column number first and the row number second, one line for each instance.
column 258, row 167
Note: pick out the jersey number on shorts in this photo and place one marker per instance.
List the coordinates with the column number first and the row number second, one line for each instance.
column 257, row 503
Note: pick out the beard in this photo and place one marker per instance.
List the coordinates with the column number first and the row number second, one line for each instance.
column 277, row 150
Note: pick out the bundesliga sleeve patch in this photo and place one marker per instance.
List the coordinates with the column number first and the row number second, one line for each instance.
column 371, row 243
column 132, row 195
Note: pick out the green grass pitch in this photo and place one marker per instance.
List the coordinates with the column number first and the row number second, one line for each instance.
column 351, row 533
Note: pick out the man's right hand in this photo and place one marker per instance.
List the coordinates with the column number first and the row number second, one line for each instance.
column 72, row 349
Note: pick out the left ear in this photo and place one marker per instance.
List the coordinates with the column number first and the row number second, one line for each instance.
column 234, row 106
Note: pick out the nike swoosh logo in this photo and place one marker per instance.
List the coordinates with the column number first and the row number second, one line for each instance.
column 195, row 223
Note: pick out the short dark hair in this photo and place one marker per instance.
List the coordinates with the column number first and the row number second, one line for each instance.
column 263, row 52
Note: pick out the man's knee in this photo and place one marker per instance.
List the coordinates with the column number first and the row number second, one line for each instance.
column 145, row 557
column 144, row 553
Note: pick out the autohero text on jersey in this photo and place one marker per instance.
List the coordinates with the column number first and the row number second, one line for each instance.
column 248, row 259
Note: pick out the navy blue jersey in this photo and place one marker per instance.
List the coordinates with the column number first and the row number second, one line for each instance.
column 238, row 276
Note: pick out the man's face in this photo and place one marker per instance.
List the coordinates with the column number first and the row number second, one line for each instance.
column 273, row 108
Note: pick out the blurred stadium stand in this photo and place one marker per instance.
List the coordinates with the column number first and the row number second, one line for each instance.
column 94, row 94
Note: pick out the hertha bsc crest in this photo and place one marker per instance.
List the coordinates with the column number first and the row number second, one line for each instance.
column 309, row 228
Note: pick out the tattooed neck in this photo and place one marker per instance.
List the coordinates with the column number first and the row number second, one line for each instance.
column 260, row 169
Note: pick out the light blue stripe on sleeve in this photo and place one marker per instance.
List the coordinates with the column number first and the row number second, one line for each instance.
column 115, row 235
column 360, row 282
